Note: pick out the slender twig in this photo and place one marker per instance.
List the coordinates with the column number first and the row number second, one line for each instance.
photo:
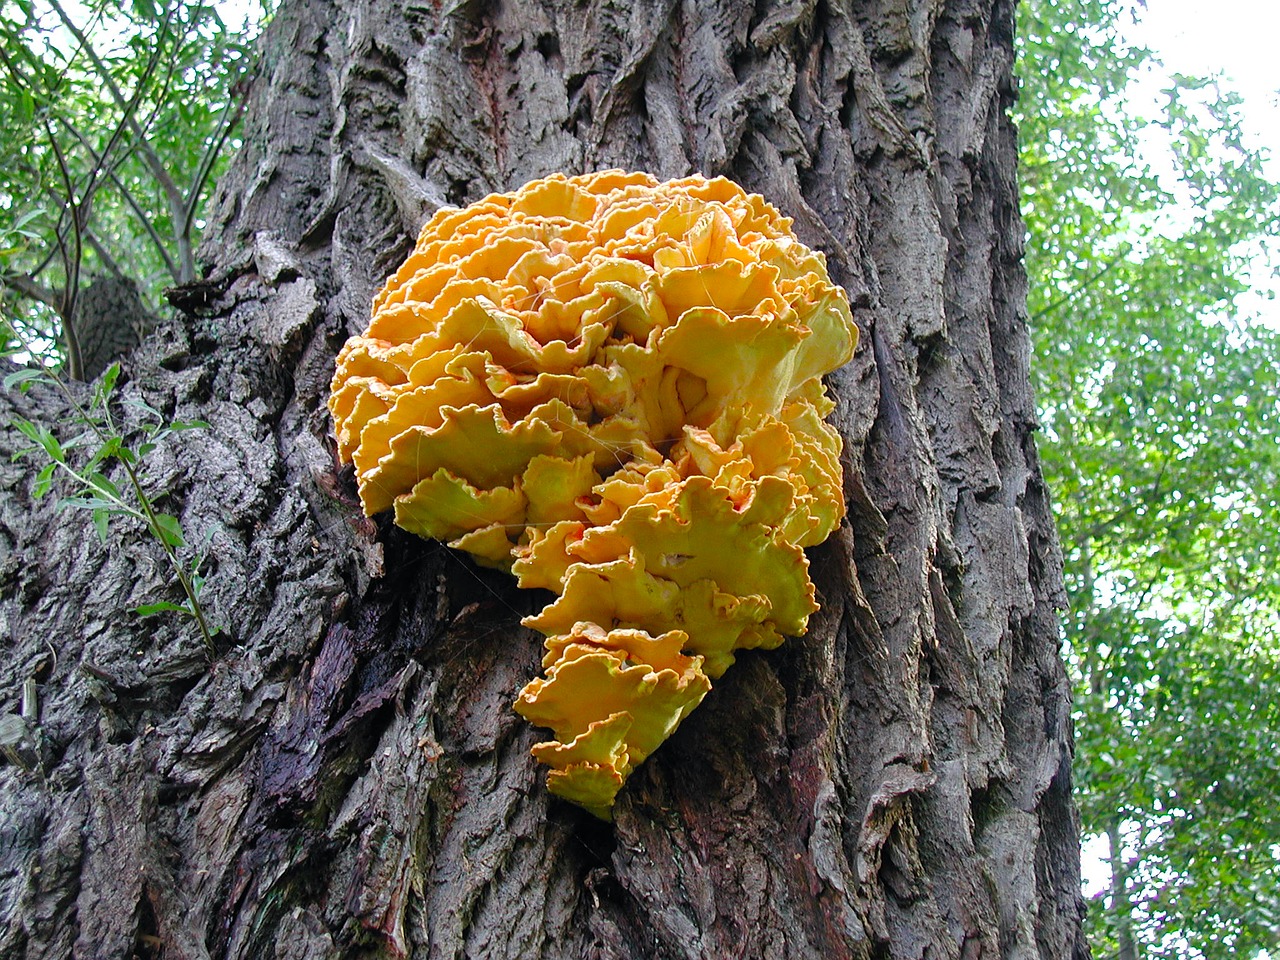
column 70, row 264
column 22, row 84
column 231, row 118
column 152, row 233
column 67, row 202
column 78, row 202
column 104, row 256
column 181, row 209
column 181, row 219
column 149, row 155
column 28, row 286
column 1083, row 285
column 127, row 121
column 188, row 588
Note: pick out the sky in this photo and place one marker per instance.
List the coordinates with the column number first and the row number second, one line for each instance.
column 1237, row 40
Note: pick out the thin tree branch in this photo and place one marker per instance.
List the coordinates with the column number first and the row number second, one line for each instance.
column 149, row 156
column 1084, row 284
column 181, row 209
column 103, row 162
column 232, row 118
column 108, row 260
column 182, row 220
column 71, row 264
column 156, row 240
column 28, row 286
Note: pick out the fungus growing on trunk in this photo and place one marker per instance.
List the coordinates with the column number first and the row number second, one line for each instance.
column 612, row 387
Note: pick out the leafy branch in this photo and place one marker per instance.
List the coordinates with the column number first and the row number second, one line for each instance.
column 102, row 496
column 120, row 117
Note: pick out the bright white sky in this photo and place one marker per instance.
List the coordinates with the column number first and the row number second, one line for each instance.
column 1237, row 40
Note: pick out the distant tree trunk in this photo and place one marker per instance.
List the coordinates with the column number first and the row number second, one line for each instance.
column 347, row 777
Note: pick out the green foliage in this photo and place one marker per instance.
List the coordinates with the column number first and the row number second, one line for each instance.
column 117, row 117
column 85, row 461
column 1161, row 446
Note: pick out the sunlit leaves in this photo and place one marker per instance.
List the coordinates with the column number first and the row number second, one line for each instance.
column 116, row 118
column 1162, row 448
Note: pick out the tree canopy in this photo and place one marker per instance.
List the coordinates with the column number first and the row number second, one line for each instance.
column 1159, row 407
column 117, row 119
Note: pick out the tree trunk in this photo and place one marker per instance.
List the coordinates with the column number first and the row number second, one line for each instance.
column 346, row 777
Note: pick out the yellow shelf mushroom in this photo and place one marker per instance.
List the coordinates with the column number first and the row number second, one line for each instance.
column 612, row 387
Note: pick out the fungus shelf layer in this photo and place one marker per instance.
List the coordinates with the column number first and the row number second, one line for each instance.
column 611, row 387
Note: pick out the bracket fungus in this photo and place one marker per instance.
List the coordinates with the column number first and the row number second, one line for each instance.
column 612, row 387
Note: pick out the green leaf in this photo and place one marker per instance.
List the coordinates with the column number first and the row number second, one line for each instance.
column 42, row 438
column 169, row 530
column 145, row 408
column 43, row 481
column 107, row 383
column 90, row 503
column 101, row 520
column 26, row 218
column 24, row 378
column 108, row 449
column 80, row 440
column 103, row 485
column 27, row 429
column 164, row 606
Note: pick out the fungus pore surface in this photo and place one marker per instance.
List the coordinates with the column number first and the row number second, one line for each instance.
column 611, row 387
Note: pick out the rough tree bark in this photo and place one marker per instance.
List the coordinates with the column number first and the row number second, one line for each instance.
column 346, row 777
